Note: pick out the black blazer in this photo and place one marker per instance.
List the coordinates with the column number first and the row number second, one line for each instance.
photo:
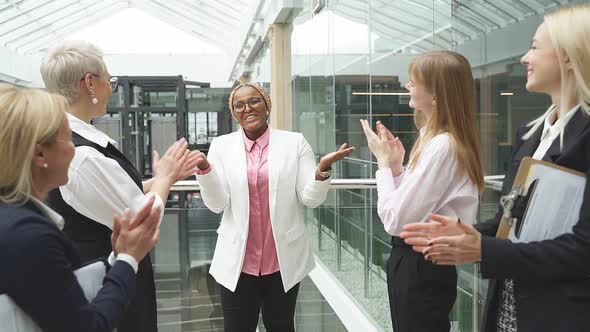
column 552, row 277
column 37, row 273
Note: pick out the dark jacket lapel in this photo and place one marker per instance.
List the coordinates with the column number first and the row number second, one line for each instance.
column 573, row 130
column 529, row 146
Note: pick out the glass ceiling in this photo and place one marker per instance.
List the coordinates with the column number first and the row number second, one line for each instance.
column 29, row 25
column 411, row 22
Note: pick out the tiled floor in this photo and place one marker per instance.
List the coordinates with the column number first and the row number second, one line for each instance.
column 198, row 309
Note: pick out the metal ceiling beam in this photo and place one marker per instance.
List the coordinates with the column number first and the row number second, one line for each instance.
column 484, row 10
column 524, row 5
column 46, row 26
column 197, row 24
column 11, row 5
column 498, row 8
column 189, row 27
column 477, row 15
column 231, row 6
column 381, row 22
column 206, row 9
column 202, row 18
column 25, row 11
column 36, row 21
column 210, row 4
column 461, row 19
column 71, row 23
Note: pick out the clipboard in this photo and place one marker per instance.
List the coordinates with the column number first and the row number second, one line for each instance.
column 13, row 318
column 544, row 202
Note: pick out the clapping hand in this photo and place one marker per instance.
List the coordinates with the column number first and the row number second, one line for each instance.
column 176, row 163
column 188, row 167
column 446, row 241
column 387, row 148
column 137, row 234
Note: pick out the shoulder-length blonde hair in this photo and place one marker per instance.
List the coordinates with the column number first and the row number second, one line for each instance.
column 569, row 31
column 27, row 117
column 447, row 75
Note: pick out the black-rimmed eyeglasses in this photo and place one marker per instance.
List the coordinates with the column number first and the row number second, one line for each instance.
column 253, row 103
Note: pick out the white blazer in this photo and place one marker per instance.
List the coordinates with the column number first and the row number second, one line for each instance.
column 292, row 187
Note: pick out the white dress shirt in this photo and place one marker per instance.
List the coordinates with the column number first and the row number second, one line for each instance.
column 552, row 131
column 59, row 222
column 434, row 185
column 99, row 187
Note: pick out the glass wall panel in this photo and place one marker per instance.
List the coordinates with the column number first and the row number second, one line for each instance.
column 350, row 61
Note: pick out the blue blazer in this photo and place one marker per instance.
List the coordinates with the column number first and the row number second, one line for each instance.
column 37, row 273
column 551, row 277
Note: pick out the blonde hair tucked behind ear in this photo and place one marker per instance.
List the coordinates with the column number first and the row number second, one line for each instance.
column 447, row 75
column 569, row 31
column 27, row 117
column 66, row 65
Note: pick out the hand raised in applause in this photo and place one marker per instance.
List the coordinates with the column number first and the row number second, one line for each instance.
column 137, row 234
column 387, row 149
column 176, row 164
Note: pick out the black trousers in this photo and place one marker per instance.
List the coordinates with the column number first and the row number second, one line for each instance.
column 141, row 314
column 421, row 294
column 242, row 307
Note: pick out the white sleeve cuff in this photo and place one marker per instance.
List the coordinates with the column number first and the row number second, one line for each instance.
column 129, row 260
column 140, row 202
column 112, row 259
column 397, row 180
column 385, row 181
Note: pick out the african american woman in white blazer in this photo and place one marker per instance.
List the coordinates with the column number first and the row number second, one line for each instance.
column 261, row 179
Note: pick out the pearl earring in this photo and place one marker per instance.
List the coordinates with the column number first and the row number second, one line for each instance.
column 94, row 99
column 45, row 165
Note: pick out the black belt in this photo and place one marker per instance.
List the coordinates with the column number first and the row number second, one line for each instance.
column 398, row 242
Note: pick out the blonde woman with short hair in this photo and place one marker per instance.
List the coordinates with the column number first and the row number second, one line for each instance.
column 38, row 259
column 102, row 181
column 444, row 175
column 544, row 285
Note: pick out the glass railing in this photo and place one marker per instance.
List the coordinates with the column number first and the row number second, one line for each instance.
column 346, row 235
column 188, row 297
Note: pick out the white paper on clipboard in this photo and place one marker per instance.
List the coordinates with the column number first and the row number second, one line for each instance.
column 554, row 207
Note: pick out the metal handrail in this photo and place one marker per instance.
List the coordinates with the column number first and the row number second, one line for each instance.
column 493, row 182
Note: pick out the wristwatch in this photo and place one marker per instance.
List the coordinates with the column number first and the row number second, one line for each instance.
column 325, row 174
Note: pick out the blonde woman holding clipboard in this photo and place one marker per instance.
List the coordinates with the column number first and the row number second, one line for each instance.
column 542, row 285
